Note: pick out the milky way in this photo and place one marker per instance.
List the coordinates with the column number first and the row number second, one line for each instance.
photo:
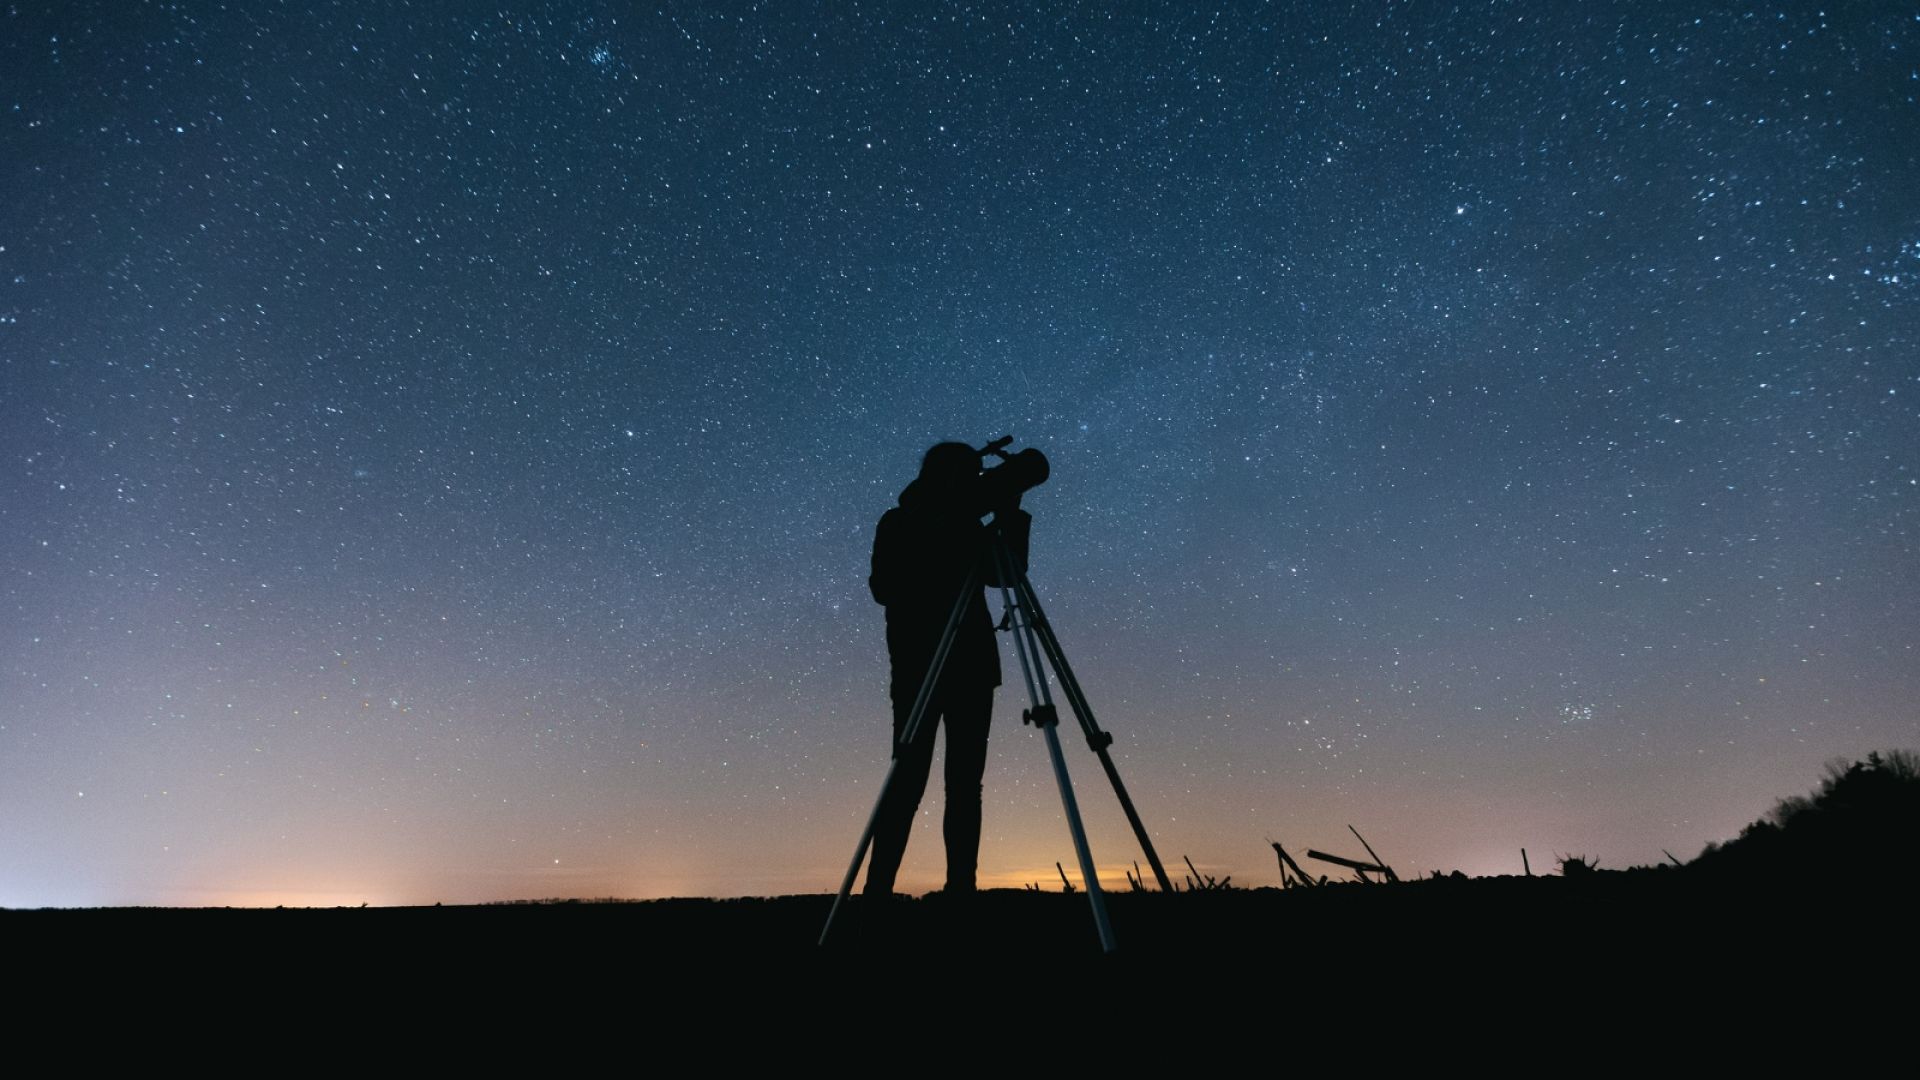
column 442, row 443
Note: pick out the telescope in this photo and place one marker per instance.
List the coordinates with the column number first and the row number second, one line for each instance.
column 1017, row 474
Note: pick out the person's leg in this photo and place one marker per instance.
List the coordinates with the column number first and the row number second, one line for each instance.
column 967, row 718
column 895, row 819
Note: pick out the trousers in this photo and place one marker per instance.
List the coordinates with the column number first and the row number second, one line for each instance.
column 966, row 714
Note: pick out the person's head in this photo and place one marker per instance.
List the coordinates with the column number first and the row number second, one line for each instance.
column 949, row 465
column 947, row 469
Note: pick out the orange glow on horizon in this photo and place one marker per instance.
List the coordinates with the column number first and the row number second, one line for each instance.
column 275, row 898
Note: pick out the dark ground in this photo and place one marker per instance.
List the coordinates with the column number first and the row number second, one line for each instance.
column 1663, row 946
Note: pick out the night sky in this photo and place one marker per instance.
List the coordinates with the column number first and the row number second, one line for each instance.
column 443, row 441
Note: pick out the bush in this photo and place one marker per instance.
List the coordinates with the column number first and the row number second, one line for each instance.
column 1856, row 825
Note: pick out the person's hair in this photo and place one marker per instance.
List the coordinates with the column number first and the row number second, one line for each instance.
column 947, row 460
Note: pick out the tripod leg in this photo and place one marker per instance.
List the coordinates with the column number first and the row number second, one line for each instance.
column 860, row 852
column 1095, row 896
column 960, row 604
column 1046, row 719
column 1096, row 738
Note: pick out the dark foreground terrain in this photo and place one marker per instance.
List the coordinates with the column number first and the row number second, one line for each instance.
column 1505, row 974
column 1642, row 933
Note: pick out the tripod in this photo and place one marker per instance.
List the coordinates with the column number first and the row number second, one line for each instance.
column 1033, row 638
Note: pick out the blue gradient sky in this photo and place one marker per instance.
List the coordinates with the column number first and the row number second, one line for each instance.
column 443, row 444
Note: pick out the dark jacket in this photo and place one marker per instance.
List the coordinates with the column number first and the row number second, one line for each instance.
column 923, row 551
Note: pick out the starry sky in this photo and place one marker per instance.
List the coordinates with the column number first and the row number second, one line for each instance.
column 443, row 441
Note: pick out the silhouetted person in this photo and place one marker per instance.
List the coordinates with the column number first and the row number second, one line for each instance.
column 923, row 552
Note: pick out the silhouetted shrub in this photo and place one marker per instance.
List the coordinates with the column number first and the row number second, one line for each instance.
column 1858, row 825
column 1574, row 866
